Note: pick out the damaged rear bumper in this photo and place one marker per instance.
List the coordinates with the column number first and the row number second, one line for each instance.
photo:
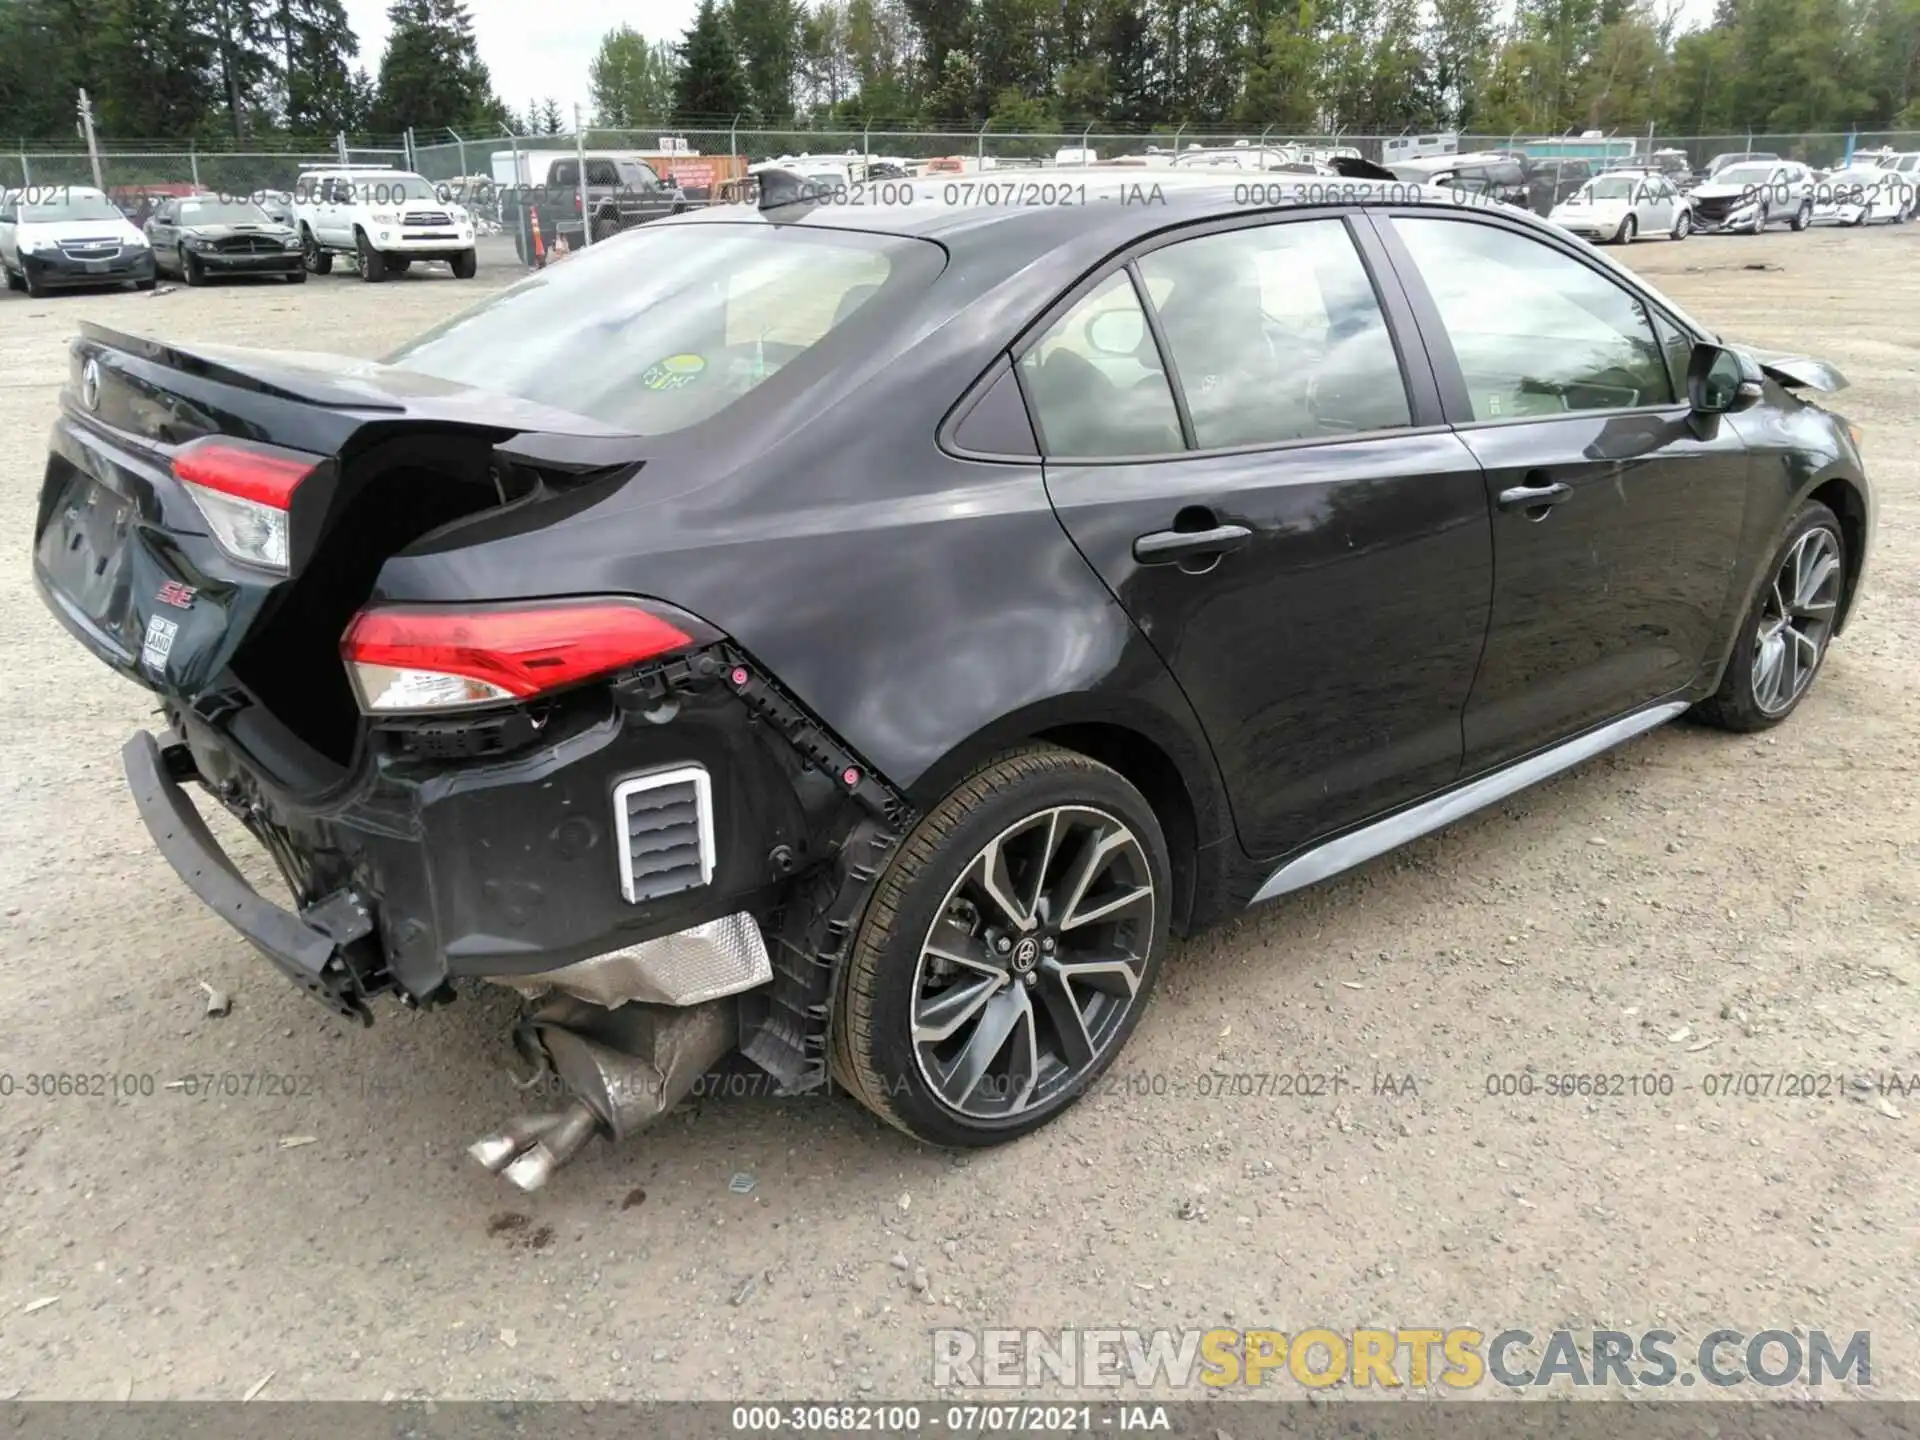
column 310, row 947
column 637, row 844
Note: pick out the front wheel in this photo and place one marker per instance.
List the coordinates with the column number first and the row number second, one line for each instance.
column 1784, row 637
column 14, row 282
column 373, row 264
column 1627, row 231
column 1683, row 226
column 316, row 260
column 465, row 265
column 191, row 270
column 1803, row 217
column 1008, row 951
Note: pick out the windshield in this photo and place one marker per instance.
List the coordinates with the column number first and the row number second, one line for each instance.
column 1744, row 175
column 391, row 189
column 667, row 326
column 65, row 209
column 1611, row 187
column 222, row 212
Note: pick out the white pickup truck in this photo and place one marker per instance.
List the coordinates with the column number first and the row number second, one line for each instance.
column 385, row 219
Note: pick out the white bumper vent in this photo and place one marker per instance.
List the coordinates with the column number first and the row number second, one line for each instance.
column 664, row 822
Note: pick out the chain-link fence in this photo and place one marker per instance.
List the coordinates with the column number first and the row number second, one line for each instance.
column 699, row 157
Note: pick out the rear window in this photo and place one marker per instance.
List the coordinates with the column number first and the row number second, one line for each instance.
column 667, row 326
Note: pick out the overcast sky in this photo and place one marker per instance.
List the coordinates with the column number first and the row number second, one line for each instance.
column 535, row 48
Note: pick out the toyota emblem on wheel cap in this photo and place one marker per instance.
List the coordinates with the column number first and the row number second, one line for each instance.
column 90, row 385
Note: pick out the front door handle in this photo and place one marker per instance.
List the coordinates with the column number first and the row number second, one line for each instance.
column 1535, row 497
column 1165, row 547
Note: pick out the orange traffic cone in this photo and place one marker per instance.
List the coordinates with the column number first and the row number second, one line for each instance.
column 539, row 246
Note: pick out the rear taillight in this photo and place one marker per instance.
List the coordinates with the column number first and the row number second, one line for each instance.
column 244, row 490
column 443, row 657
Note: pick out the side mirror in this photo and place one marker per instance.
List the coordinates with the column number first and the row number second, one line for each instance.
column 1720, row 380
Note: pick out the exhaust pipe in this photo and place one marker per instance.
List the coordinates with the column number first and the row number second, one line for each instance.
column 625, row 1067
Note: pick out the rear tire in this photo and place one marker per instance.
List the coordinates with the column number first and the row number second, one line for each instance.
column 1784, row 637
column 968, row 1022
column 605, row 227
column 465, row 265
column 373, row 265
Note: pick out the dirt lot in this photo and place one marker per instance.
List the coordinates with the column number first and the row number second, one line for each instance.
column 1689, row 905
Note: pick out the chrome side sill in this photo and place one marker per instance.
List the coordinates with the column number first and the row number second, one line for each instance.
column 1356, row 847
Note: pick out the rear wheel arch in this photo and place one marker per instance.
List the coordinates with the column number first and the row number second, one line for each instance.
column 1187, row 804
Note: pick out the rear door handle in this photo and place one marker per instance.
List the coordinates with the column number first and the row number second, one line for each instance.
column 1164, row 547
column 1535, row 497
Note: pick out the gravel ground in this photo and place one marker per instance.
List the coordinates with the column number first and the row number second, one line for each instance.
column 1691, row 904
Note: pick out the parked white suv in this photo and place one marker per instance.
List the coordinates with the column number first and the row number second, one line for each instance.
column 385, row 219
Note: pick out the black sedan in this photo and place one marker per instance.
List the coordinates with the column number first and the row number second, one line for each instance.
column 200, row 237
column 920, row 612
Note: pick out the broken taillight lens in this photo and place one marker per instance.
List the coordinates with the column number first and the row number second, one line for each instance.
column 244, row 490
column 444, row 657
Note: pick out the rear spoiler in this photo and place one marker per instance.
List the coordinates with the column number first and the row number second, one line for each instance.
column 280, row 382
column 1353, row 167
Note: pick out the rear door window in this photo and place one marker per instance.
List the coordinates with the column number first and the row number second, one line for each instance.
column 1095, row 381
column 602, row 173
column 1275, row 334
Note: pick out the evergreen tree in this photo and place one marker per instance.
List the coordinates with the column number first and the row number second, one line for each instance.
column 767, row 33
column 317, row 47
column 147, row 70
column 711, row 84
column 432, row 77
column 245, row 68
column 553, row 120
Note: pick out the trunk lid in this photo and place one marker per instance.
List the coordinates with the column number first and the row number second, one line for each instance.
column 125, row 557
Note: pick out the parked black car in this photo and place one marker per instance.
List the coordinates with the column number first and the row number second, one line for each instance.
column 1553, row 180
column 905, row 624
column 1494, row 176
column 621, row 193
column 199, row 237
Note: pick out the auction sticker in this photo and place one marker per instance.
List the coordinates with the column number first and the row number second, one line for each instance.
column 673, row 373
column 159, row 643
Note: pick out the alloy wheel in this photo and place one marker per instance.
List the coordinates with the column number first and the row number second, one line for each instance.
column 1796, row 618
column 1033, row 962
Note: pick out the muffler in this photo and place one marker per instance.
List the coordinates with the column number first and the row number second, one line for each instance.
column 624, row 1067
